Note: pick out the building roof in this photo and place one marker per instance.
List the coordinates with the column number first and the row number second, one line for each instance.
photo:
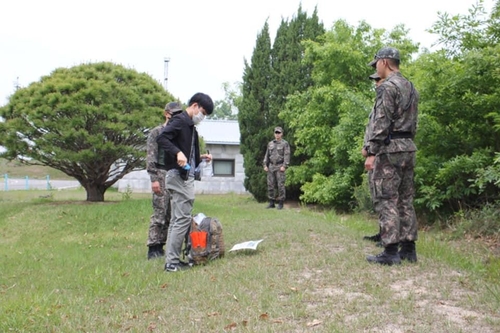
column 225, row 132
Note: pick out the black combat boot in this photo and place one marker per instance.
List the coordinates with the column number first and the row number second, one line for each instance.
column 161, row 250
column 271, row 204
column 374, row 238
column 154, row 252
column 390, row 256
column 280, row 204
column 408, row 251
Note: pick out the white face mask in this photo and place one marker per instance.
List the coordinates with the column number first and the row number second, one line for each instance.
column 198, row 118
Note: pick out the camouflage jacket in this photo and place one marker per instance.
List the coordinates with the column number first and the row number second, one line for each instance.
column 152, row 155
column 396, row 104
column 366, row 143
column 277, row 153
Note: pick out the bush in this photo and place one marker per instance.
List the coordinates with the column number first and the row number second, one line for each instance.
column 479, row 222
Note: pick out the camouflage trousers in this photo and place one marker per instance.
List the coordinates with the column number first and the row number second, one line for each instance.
column 393, row 191
column 160, row 219
column 276, row 183
column 370, row 184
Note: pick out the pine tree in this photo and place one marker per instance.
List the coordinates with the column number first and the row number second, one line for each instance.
column 254, row 114
column 290, row 74
column 90, row 121
column 273, row 75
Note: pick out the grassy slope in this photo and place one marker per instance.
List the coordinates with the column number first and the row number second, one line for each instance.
column 16, row 169
column 69, row 266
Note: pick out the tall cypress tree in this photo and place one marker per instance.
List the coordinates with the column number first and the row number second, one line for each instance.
column 273, row 75
column 290, row 74
column 253, row 115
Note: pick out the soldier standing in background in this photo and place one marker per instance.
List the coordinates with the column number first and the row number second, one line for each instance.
column 160, row 219
column 364, row 151
column 391, row 156
column 276, row 160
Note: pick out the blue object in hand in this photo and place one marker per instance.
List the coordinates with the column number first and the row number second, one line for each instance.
column 186, row 167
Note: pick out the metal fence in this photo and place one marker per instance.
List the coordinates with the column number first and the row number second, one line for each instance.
column 27, row 183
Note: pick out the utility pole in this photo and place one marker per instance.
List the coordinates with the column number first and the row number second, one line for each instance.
column 165, row 71
column 16, row 84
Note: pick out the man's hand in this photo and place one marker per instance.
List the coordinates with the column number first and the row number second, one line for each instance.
column 364, row 152
column 282, row 169
column 181, row 159
column 207, row 157
column 369, row 162
column 155, row 186
column 266, row 169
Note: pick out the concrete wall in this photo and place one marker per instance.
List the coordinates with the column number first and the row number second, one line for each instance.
column 221, row 185
column 138, row 181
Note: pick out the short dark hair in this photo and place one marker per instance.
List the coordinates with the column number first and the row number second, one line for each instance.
column 394, row 62
column 202, row 100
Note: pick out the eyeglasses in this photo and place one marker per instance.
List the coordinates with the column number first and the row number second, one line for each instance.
column 277, row 132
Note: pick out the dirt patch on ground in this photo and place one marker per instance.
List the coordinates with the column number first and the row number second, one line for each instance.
column 441, row 301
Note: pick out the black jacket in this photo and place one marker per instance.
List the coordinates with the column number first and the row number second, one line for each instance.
column 177, row 136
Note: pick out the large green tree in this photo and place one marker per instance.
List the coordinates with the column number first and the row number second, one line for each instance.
column 329, row 128
column 459, row 127
column 227, row 108
column 90, row 121
column 253, row 115
column 274, row 73
column 291, row 74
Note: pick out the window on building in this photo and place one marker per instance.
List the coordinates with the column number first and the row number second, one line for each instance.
column 223, row 168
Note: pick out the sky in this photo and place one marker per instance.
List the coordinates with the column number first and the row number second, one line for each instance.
column 204, row 42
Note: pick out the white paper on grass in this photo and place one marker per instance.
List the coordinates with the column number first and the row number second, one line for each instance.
column 250, row 245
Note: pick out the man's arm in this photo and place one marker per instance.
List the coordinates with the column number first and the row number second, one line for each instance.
column 365, row 148
column 152, row 154
column 169, row 132
column 286, row 157
column 383, row 113
column 266, row 159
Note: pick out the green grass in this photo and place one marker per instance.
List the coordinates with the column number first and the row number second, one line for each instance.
column 16, row 169
column 71, row 266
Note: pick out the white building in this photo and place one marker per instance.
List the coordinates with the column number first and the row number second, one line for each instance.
column 222, row 139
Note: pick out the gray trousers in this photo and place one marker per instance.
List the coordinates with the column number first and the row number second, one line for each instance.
column 181, row 201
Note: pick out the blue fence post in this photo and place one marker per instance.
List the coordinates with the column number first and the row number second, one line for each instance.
column 6, row 185
column 48, row 182
column 27, row 185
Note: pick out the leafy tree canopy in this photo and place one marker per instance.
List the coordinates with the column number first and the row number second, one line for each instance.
column 329, row 118
column 90, row 121
column 227, row 108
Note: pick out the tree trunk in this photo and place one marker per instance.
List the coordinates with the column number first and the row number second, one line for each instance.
column 95, row 193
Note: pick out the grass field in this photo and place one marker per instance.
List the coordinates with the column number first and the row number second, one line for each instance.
column 16, row 169
column 71, row 266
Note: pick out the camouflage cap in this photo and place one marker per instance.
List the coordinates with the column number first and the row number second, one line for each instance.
column 374, row 76
column 173, row 107
column 385, row 53
column 278, row 129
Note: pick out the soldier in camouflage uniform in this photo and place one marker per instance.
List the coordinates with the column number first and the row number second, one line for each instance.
column 276, row 161
column 391, row 156
column 364, row 151
column 160, row 219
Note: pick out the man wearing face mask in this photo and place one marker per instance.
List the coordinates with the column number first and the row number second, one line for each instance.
column 179, row 140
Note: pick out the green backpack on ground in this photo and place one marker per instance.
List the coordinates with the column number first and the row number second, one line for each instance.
column 205, row 241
